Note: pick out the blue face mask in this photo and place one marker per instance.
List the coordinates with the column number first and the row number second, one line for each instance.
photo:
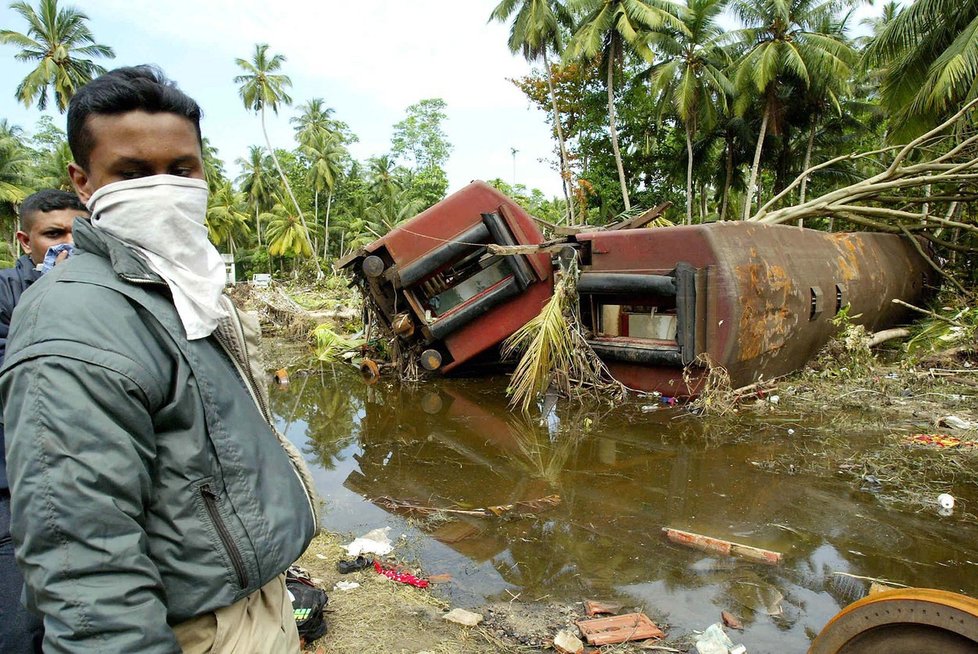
column 52, row 255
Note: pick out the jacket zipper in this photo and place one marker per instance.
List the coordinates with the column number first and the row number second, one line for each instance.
column 237, row 562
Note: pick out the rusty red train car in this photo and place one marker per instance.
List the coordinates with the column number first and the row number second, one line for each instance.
column 757, row 299
column 434, row 283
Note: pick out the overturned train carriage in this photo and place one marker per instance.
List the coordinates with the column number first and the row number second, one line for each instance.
column 436, row 286
column 758, row 300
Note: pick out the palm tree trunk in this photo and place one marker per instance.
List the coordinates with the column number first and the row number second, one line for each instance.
column 689, row 174
column 751, row 187
column 288, row 187
column 257, row 225
column 315, row 218
column 565, row 174
column 613, row 129
column 808, row 162
column 329, row 204
column 727, row 180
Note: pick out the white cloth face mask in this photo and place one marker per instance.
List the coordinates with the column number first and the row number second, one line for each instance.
column 162, row 218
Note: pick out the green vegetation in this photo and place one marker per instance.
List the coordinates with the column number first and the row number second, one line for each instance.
column 725, row 108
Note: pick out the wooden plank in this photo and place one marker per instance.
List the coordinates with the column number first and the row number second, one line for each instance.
column 719, row 546
column 619, row 629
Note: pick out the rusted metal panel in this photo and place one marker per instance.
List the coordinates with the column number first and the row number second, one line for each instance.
column 772, row 291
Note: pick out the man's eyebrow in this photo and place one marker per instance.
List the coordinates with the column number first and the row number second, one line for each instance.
column 186, row 159
column 131, row 161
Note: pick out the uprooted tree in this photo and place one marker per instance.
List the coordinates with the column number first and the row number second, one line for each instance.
column 922, row 188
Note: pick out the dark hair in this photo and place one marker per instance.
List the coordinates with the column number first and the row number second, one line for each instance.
column 45, row 201
column 119, row 91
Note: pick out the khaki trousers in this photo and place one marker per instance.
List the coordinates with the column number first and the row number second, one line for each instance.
column 261, row 623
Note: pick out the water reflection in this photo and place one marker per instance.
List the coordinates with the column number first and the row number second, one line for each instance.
column 622, row 474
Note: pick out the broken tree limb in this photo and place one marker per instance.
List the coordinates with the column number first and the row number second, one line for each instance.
column 720, row 546
column 885, row 335
column 556, row 245
column 943, row 157
column 927, row 312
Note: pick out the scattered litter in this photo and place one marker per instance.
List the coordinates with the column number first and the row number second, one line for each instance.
column 346, row 585
column 954, row 422
column 322, row 556
column 619, row 629
column 738, row 649
column 774, row 399
column 791, row 432
column 359, row 563
column 649, row 408
column 939, row 440
column 730, row 620
column 566, row 642
column 401, row 577
column 670, row 401
column 463, row 617
column 729, row 548
column 373, row 542
column 714, row 641
column 945, row 504
column 282, row 377
column 594, row 607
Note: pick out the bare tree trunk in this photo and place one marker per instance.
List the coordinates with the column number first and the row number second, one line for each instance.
column 288, row 188
column 329, row 204
column 613, row 129
column 808, row 162
column 315, row 218
column 565, row 173
column 689, row 174
column 752, row 186
column 727, row 181
column 258, row 224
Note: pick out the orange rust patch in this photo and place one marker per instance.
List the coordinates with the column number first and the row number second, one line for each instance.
column 764, row 319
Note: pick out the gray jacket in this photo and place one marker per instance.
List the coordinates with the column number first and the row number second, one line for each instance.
column 147, row 484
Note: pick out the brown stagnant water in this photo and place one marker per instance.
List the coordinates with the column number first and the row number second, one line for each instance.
column 622, row 474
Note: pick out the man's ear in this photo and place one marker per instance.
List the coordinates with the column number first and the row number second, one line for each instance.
column 25, row 241
column 79, row 179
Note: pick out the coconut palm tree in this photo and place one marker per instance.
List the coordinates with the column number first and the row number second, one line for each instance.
column 392, row 210
column 326, row 155
column 608, row 28
column 929, row 56
column 312, row 121
column 59, row 41
column 782, row 41
column 263, row 86
column 258, row 182
column 383, row 182
column 536, row 32
column 690, row 78
column 285, row 233
column 226, row 216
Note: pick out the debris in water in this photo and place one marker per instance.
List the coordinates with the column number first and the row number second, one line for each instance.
column 719, row 546
column 619, row 629
column 282, row 377
column 730, row 620
column 939, row 440
column 529, row 506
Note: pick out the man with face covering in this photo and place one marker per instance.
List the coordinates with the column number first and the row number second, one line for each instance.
column 154, row 508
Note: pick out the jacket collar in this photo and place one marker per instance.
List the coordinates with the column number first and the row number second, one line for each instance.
column 125, row 262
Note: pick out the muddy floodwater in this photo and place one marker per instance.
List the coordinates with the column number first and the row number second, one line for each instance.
column 622, row 473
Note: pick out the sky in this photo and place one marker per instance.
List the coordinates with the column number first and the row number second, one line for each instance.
column 368, row 59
